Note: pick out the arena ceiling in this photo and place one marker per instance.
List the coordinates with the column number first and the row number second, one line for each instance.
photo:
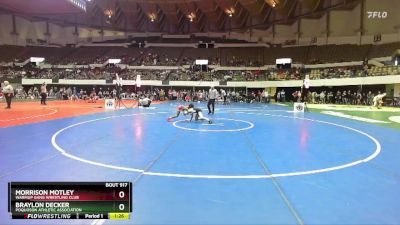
column 175, row 16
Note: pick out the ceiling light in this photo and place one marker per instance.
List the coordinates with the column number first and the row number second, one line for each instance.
column 230, row 11
column 273, row 3
column 191, row 17
column 109, row 13
column 79, row 3
column 152, row 17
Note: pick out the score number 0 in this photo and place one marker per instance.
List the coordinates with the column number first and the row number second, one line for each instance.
column 121, row 206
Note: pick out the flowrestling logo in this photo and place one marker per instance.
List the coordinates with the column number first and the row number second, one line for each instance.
column 109, row 104
column 299, row 107
column 377, row 14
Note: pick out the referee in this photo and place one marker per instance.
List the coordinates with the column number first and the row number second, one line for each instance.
column 212, row 95
column 8, row 91
column 43, row 94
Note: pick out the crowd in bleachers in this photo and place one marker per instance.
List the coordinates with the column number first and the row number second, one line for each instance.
column 348, row 72
column 346, row 97
column 241, row 61
column 131, row 93
column 170, row 56
column 328, row 96
column 108, row 73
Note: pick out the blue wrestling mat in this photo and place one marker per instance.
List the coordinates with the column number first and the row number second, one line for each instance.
column 255, row 164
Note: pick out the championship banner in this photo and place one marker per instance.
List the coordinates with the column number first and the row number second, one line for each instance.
column 138, row 81
column 298, row 107
column 118, row 81
column 109, row 104
column 307, row 82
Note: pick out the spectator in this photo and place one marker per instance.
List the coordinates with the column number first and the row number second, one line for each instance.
column 212, row 95
column 43, row 94
column 8, row 92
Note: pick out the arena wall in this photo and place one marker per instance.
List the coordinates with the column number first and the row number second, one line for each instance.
column 334, row 27
column 397, row 90
column 376, row 25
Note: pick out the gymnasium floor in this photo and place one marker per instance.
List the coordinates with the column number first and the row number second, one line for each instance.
column 257, row 164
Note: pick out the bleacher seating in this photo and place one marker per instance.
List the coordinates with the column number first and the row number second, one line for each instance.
column 338, row 53
column 128, row 55
column 85, row 55
column 189, row 55
column 51, row 54
column 252, row 56
column 386, row 70
column 239, row 56
column 383, row 50
column 9, row 52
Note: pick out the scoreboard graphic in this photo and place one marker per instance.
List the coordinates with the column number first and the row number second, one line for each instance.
column 70, row 200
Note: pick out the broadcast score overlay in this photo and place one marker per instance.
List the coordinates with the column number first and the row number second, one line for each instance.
column 70, row 200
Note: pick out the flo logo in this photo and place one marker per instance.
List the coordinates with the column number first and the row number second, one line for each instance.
column 299, row 107
column 109, row 104
column 377, row 15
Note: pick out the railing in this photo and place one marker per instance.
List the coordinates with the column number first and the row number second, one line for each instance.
column 214, row 67
column 391, row 79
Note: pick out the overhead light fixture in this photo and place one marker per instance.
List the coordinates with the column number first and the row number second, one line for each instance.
column 273, row 3
column 191, row 16
column 79, row 3
column 152, row 17
column 230, row 11
column 109, row 13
